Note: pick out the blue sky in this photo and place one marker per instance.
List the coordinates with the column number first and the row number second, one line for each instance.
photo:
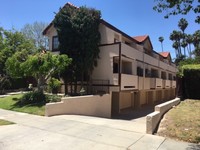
column 131, row 16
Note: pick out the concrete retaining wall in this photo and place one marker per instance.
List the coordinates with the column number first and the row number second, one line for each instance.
column 153, row 119
column 91, row 105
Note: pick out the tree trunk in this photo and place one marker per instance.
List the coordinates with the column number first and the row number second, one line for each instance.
column 40, row 84
column 66, row 87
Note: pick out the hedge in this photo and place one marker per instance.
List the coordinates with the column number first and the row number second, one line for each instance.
column 191, row 78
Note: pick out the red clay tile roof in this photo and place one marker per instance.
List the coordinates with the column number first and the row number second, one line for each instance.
column 164, row 54
column 140, row 39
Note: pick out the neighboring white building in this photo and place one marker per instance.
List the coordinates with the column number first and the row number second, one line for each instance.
column 134, row 73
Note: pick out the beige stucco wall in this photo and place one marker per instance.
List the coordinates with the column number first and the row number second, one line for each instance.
column 107, row 35
column 140, row 83
column 125, row 100
column 142, row 97
column 153, row 119
column 147, row 83
column 91, row 105
column 104, row 69
column 50, row 33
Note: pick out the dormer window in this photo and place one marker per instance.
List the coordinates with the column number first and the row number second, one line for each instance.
column 55, row 43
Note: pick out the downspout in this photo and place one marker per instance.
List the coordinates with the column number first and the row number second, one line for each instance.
column 143, row 71
column 120, row 66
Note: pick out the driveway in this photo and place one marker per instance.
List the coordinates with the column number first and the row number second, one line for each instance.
column 75, row 132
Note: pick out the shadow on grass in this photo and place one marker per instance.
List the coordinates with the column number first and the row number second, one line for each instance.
column 20, row 105
column 15, row 99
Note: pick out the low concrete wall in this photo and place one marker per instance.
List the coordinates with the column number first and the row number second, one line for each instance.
column 153, row 119
column 91, row 105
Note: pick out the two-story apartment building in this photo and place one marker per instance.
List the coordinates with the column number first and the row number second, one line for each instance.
column 136, row 75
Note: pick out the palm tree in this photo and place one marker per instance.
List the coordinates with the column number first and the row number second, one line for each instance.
column 176, row 37
column 182, row 24
column 189, row 40
column 196, row 42
column 184, row 45
column 175, row 46
column 161, row 39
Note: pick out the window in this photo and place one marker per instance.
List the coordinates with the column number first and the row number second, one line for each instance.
column 170, row 76
column 147, row 73
column 55, row 43
column 174, row 78
column 115, row 67
column 163, row 75
column 140, row 71
column 126, row 67
column 154, row 73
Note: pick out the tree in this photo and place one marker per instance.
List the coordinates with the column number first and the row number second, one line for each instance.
column 79, row 38
column 176, row 37
column 182, row 24
column 189, row 40
column 40, row 65
column 34, row 31
column 175, row 7
column 11, row 42
column 196, row 42
column 161, row 39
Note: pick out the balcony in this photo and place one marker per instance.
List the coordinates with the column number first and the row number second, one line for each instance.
column 173, row 84
column 167, row 83
column 156, row 83
column 151, row 60
column 129, row 82
column 131, row 52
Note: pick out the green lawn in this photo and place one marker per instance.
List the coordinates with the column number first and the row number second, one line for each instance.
column 4, row 122
column 182, row 122
column 10, row 103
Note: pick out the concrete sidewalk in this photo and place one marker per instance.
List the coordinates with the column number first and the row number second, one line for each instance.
column 79, row 133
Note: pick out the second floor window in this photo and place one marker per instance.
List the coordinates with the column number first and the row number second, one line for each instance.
column 55, row 43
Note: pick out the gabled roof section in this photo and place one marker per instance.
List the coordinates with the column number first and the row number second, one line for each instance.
column 67, row 4
column 140, row 39
column 165, row 54
column 117, row 30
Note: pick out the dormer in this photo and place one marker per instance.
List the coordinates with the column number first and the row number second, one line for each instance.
column 166, row 56
column 145, row 42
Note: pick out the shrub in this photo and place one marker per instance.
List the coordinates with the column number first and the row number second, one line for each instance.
column 53, row 85
column 4, row 84
column 191, row 78
column 32, row 98
column 53, row 98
